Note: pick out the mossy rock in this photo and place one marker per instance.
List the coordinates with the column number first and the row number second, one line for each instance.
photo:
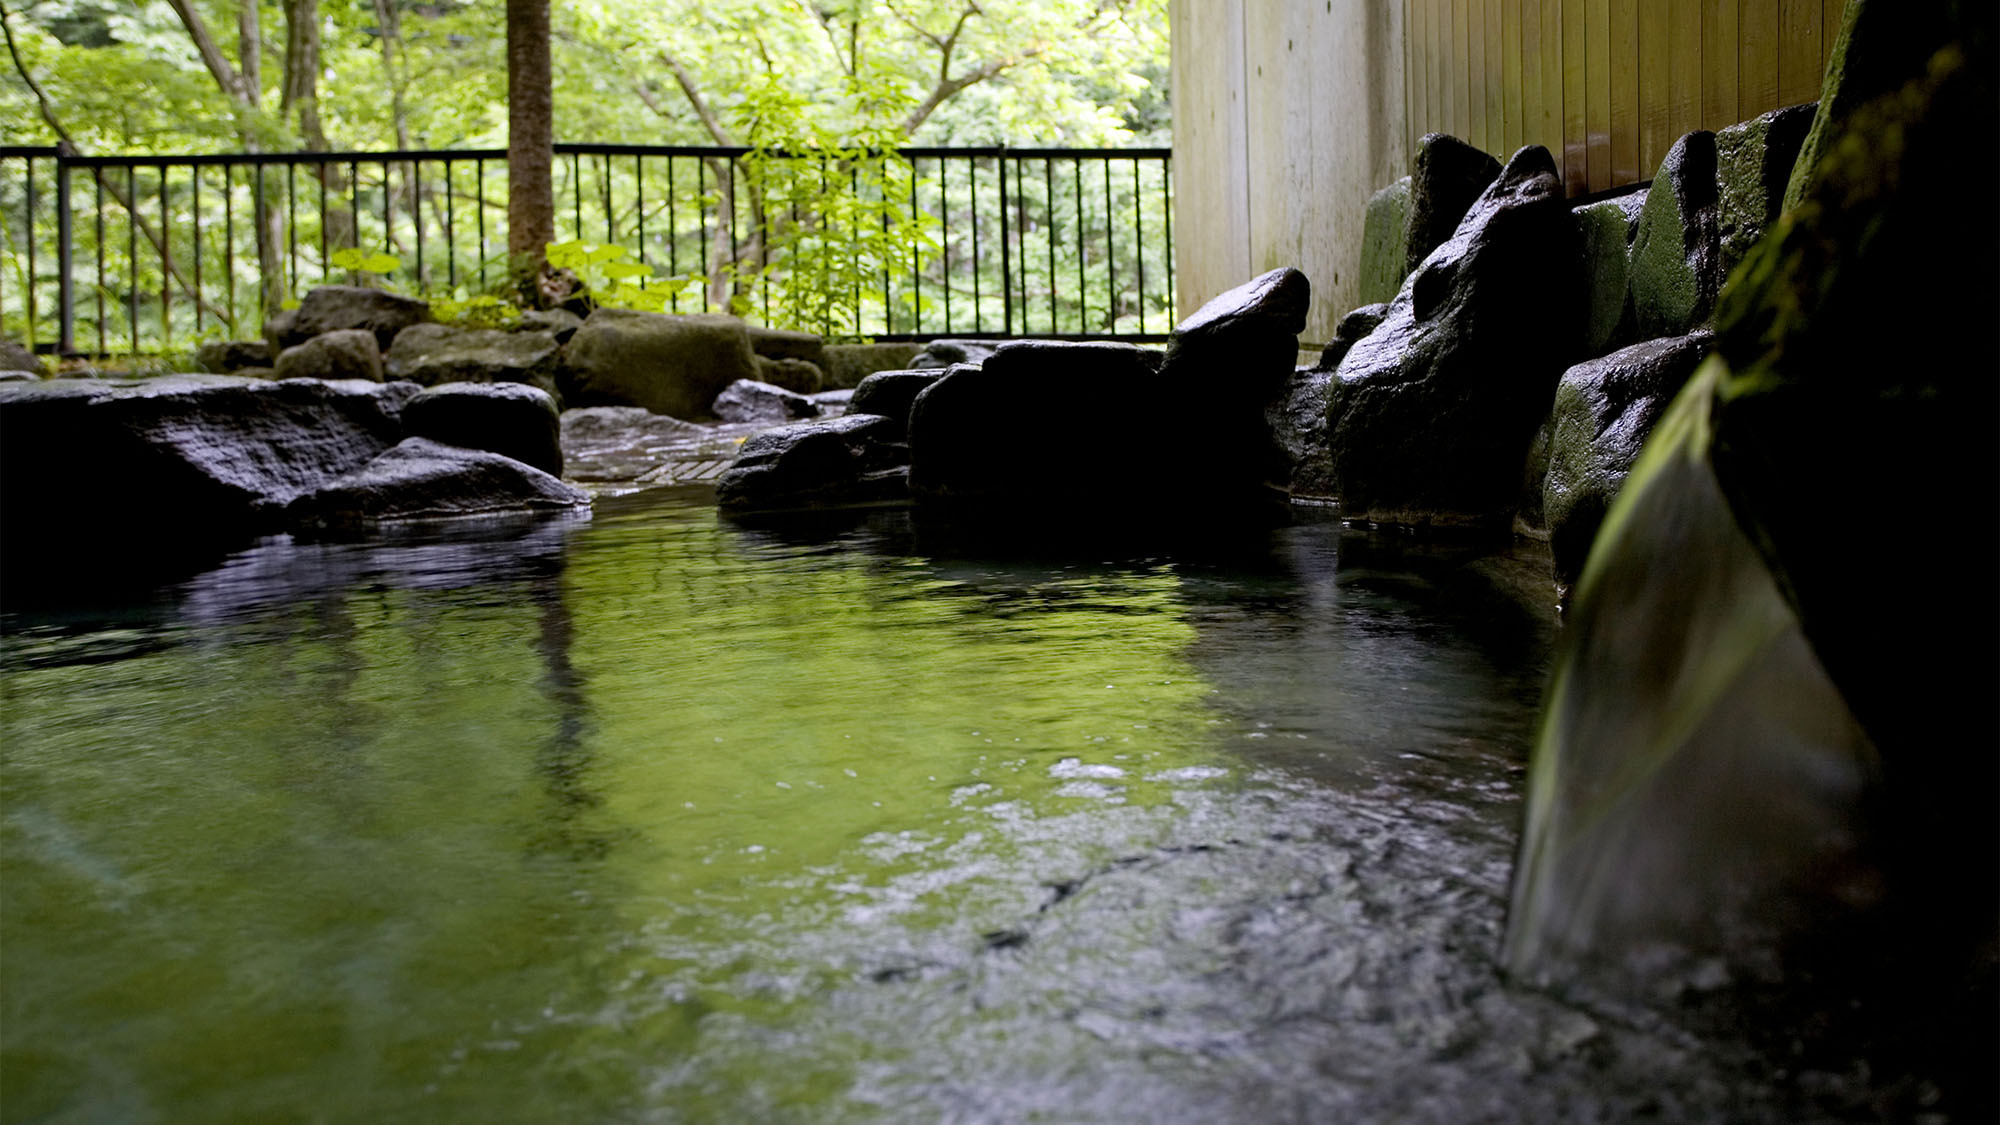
column 1383, row 249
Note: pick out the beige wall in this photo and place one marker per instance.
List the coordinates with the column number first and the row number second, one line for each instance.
column 1288, row 115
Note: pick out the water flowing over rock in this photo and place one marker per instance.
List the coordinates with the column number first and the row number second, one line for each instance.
column 672, row 365
column 856, row 459
column 1446, row 176
column 621, row 443
column 348, row 353
column 511, row 419
column 1430, row 417
column 747, row 400
column 1675, row 269
column 433, row 354
column 1604, row 410
column 332, row 308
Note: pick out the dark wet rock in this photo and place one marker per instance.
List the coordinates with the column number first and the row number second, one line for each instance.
column 1607, row 227
column 838, row 398
column 19, row 377
column 1753, row 162
column 424, row 479
column 1384, row 253
column 181, row 456
column 334, row 308
column 14, row 357
column 673, row 365
column 891, row 393
column 783, row 343
column 940, row 354
column 750, row 401
column 343, row 354
column 846, row 365
column 1675, row 269
column 511, row 419
column 1446, row 175
column 560, row 323
column 621, row 443
column 857, row 459
column 796, row 375
column 1298, row 424
column 1604, row 409
column 226, row 357
column 435, row 354
column 1881, row 45
column 1224, row 366
column 1431, row 416
column 1360, row 322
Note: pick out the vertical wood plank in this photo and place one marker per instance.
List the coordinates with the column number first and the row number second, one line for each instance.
column 1597, row 93
column 1552, row 78
column 1799, row 54
column 1436, row 19
column 1576, row 118
column 1830, row 13
column 1532, row 131
column 1211, row 197
column 1684, row 70
column 1758, row 28
column 1496, row 82
column 1721, row 49
column 1624, row 91
column 1655, row 83
column 1475, row 74
column 1461, row 70
column 1511, row 73
column 1412, row 70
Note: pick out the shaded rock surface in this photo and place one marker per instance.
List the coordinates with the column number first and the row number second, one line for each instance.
column 1604, row 410
column 1675, row 268
column 673, row 365
column 1754, row 162
column 511, row 419
column 1385, row 255
column 857, row 459
column 434, row 354
column 1607, row 227
column 750, row 401
column 796, row 375
column 1446, row 175
column 226, row 357
column 333, row 308
column 423, row 479
column 348, row 353
column 783, row 343
column 14, row 357
column 845, row 365
column 1431, row 416
column 940, row 354
column 560, row 323
column 891, row 393
column 19, row 377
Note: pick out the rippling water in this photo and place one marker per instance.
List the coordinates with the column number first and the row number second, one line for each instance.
column 650, row 817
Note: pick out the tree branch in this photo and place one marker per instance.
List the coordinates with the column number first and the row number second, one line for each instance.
column 211, row 55
column 709, row 121
column 41, row 99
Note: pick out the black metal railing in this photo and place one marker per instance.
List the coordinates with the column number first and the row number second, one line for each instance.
column 149, row 254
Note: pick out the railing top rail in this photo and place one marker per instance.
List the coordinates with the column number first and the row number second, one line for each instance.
column 404, row 155
column 30, row 150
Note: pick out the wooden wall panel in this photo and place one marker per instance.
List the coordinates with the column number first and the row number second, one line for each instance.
column 1575, row 116
column 1510, row 76
column 1625, row 91
column 1757, row 22
column 1597, row 93
column 1684, row 73
column 1799, row 54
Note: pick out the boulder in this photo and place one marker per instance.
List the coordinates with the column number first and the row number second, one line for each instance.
column 1607, row 227
column 1753, row 162
column 334, row 308
column 891, row 393
column 1675, row 269
column 348, row 353
column 1297, row 419
column 669, row 364
column 796, row 375
column 857, row 459
column 1446, row 175
column 423, row 479
column 940, row 354
column 19, row 377
column 256, row 372
column 846, row 365
column 1044, row 426
column 781, row 343
column 1385, row 256
column 747, row 400
column 1355, row 325
column 226, row 357
column 194, row 456
column 1604, row 409
column 435, row 354
column 14, row 357
column 511, row 419
column 560, row 323
column 1431, row 416
column 828, row 400
column 1224, row 365
column 281, row 331
column 620, row 443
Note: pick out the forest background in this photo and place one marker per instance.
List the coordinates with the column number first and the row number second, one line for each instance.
column 215, row 76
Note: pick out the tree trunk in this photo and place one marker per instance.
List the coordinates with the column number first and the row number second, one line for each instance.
column 531, row 203
column 301, row 93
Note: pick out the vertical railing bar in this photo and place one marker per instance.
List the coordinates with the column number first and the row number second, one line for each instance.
column 854, row 185
column 701, row 216
column 166, row 264
column 1139, row 236
column 1110, row 252
column 450, row 233
column 228, row 244
column 763, row 216
column 28, row 229
column 733, row 251
column 916, row 262
column 416, row 182
column 65, row 250
column 610, row 235
column 1167, row 210
column 132, row 256
column 972, row 186
column 1082, row 292
column 322, row 222
column 354, row 205
column 1049, row 209
column 388, row 214
column 888, row 306
column 194, row 209
column 1006, row 264
column 1021, row 234
column 576, row 193
column 291, row 224
column 639, row 208
column 98, row 182
column 944, row 212
column 479, row 190
column 673, row 237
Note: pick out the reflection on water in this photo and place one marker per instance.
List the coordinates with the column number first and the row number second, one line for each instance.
column 650, row 817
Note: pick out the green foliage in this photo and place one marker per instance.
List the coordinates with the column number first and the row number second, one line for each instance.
column 609, row 278
column 363, row 261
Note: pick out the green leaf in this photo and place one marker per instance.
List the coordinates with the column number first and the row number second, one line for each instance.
column 619, row 271
column 382, row 263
